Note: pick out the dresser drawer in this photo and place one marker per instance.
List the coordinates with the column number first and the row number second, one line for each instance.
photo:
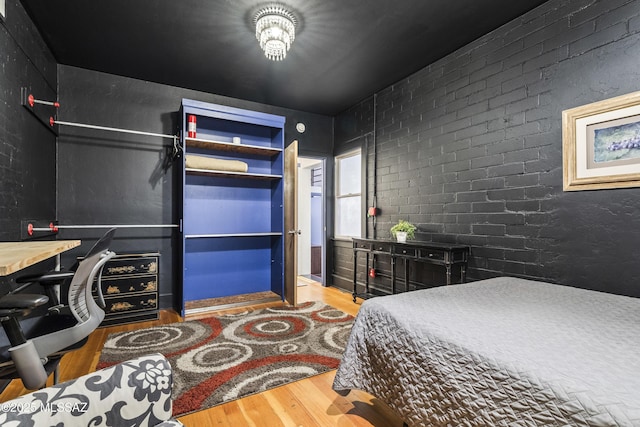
column 362, row 245
column 131, row 303
column 407, row 251
column 129, row 284
column 383, row 247
column 435, row 254
column 127, row 266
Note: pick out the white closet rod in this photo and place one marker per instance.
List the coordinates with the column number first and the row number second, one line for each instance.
column 55, row 228
column 52, row 121
column 120, row 226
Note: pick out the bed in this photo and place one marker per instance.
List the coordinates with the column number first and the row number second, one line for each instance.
column 499, row 352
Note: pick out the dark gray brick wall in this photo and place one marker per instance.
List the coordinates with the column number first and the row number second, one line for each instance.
column 470, row 148
column 27, row 148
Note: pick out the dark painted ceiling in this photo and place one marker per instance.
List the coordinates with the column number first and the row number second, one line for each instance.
column 344, row 51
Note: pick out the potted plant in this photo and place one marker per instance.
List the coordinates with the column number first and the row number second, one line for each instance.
column 403, row 230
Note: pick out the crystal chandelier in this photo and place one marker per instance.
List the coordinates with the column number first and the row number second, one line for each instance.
column 275, row 30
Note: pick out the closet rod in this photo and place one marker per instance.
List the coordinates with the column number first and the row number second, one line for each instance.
column 121, row 226
column 54, row 228
column 53, row 121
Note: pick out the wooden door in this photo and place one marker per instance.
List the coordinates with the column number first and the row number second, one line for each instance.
column 291, row 223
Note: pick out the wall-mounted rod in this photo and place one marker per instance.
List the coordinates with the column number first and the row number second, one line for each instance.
column 54, row 228
column 53, row 121
column 29, row 101
column 32, row 100
column 120, row 226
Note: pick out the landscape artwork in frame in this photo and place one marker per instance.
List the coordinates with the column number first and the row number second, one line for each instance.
column 601, row 144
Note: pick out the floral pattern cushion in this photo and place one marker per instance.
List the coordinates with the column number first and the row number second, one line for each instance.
column 132, row 393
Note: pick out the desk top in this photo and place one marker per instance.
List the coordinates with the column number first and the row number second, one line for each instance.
column 415, row 243
column 15, row 256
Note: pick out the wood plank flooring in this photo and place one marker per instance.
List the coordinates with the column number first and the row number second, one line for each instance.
column 309, row 403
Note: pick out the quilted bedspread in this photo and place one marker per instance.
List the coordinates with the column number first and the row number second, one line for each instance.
column 499, row 352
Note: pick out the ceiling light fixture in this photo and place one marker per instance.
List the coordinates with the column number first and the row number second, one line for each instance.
column 275, row 30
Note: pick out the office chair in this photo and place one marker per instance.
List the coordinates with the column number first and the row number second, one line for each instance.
column 33, row 347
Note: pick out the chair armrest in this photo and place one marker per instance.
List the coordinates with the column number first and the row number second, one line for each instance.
column 20, row 304
column 23, row 300
column 14, row 306
column 50, row 281
column 48, row 278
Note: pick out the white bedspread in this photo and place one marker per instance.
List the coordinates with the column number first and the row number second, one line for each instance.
column 499, row 352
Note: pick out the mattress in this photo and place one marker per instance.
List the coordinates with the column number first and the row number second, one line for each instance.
column 499, row 352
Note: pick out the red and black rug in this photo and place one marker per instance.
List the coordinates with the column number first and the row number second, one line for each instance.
column 223, row 358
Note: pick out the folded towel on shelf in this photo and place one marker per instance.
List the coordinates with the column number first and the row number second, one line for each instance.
column 212, row 163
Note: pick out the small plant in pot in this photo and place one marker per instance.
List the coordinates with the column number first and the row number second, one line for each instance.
column 403, row 230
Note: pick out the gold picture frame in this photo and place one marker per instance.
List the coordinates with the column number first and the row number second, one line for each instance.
column 601, row 144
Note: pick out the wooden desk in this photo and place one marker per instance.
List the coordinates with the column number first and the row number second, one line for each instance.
column 14, row 256
column 446, row 255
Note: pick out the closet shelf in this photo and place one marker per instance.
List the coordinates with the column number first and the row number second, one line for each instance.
column 227, row 174
column 219, row 235
column 234, row 148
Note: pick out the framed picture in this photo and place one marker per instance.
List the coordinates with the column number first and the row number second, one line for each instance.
column 601, row 144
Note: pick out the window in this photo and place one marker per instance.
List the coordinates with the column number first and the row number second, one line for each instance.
column 348, row 194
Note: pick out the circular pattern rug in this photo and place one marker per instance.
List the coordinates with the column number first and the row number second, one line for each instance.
column 222, row 358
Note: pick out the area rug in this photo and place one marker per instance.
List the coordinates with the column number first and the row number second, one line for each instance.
column 222, row 358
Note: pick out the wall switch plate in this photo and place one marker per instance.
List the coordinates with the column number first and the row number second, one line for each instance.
column 3, row 11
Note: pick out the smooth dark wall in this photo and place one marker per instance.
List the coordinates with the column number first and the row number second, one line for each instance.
column 27, row 148
column 470, row 149
column 115, row 178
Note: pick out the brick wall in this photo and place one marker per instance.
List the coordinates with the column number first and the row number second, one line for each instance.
column 470, row 148
column 27, row 148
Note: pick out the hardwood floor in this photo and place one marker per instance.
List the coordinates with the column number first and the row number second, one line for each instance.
column 309, row 402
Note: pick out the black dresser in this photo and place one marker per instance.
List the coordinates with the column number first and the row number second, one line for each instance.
column 130, row 288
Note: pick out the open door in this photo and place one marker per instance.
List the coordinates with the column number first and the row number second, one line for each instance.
column 291, row 223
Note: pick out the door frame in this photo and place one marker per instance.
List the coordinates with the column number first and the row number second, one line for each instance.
column 323, row 161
